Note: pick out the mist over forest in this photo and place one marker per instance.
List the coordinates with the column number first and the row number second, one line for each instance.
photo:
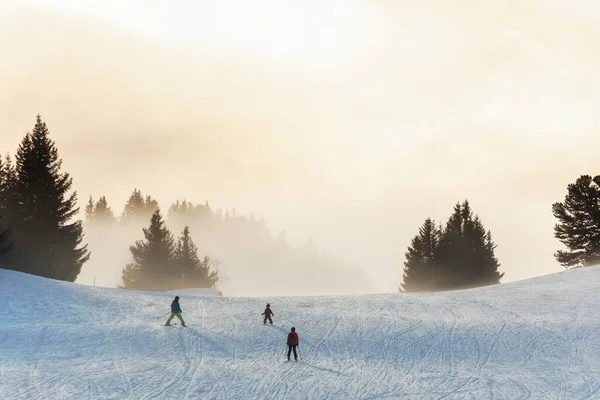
column 249, row 258
column 348, row 125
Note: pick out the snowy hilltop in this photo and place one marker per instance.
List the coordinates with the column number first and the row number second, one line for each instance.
column 537, row 339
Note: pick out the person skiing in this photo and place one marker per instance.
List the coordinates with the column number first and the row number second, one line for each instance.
column 175, row 312
column 292, row 341
column 268, row 314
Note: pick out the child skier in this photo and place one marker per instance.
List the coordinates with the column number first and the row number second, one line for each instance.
column 292, row 341
column 268, row 314
column 175, row 312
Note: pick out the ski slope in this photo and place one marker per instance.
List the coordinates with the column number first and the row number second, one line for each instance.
column 534, row 339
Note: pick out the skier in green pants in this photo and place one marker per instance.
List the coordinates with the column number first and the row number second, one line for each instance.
column 175, row 312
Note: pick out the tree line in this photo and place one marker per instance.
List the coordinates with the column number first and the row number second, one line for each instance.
column 240, row 246
column 40, row 234
column 461, row 254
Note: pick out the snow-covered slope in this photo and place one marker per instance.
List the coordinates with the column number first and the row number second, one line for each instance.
column 537, row 339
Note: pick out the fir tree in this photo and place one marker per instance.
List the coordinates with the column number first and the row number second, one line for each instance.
column 50, row 240
column 134, row 205
column 419, row 267
column 7, row 208
column 150, row 206
column 196, row 273
column 466, row 252
column 102, row 211
column 579, row 223
column 7, row 186
column 457, row 257
column 186, row 253
column 481, row 261
column 89, row 211
column 152, row 264
column 139, row 207
column 490, row 274
column 451, row 255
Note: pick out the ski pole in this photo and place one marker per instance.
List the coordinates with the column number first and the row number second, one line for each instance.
column 299, row 353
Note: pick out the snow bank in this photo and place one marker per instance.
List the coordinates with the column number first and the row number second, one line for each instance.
column 538, row 338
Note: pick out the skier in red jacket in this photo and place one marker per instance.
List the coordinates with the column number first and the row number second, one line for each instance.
column 292, row 341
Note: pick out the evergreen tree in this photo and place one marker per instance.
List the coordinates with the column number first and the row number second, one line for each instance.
column 490, row 274
column 89, row 211
column 150, row 206
column 451, row 255
column 7, row 186
column 457, row 257
column 103, row 212
column 50, row 242
column 419, row 267
column 579, row 223
column 134, row 205
column 152, row 264
column 482, row 263
column 196, row 273
column 7, row 208
column 139, row 207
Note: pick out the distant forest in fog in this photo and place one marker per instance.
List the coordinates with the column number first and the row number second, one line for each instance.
column 41, row 234
column 249, row 258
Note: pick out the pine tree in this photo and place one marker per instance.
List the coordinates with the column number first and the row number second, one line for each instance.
column 134, row 205
column 7, row 208
column 150, row 206
column 51, row 241
column 7, row 186
column 490, row 274
column 152, row 264
column 468, row 251
column 89, row 211
column 579, row 223
column 102, row 211
column 196, row 273
column 457, row 257
column 451, row 254
column 481, row 261
column 419, row 267
column 139, row 207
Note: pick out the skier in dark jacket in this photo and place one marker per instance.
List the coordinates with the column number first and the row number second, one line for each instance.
column 268, row 314
column 175, row 312
column 292, row 341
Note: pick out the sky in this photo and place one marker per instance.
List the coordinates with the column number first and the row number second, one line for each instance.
column 351, row 122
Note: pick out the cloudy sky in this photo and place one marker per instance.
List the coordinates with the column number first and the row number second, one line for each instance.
column 351, row 121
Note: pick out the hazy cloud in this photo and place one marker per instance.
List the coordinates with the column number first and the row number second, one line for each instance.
column 351, row 121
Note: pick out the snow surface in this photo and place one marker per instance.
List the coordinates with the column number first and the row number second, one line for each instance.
column 537, row 339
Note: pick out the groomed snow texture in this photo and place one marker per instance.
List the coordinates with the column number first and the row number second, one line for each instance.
column 534, row 339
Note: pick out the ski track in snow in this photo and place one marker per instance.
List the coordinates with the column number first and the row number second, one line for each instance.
column 534, row 339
